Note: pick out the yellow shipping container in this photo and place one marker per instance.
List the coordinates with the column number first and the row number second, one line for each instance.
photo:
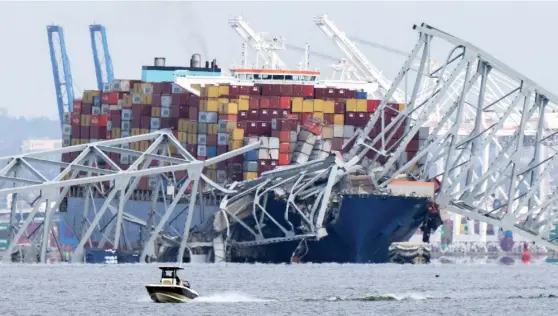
column 351, row 105
column 75, row 141
column 243, row 105
column 182, row 125
column 144, row 131
column 231, row 125
column 197, row 86
column 361, row 105
column 308, row 106
column 329, row 107
column 338, row 119
column 212, row 105
column 146, row 88
column 137, row 89
column 135, row 131
column 87, row 97
column 238, row 134
column 212, row 129
column 128, row 100
column 223, row 100
column 192, row 139
column 212, row 91
column 203, row 106
column 155, row 111
column 115, row 133
column 401, row 107
column 147, row 99
column 319, row 115
column 228, row 108
column 296, row 105
column 182, row 137
column 250, row 175
column 84, row 141
column 223, row 90
column 95, row 93
column 192, row 127
column 244, row 97
column 212, row 167
column 235, row 144
column 319, row 105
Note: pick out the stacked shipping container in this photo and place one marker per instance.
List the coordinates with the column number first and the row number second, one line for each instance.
column 295, row 123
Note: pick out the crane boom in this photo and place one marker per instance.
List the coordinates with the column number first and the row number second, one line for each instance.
column 356, row 56
column 62, row 77
column 265, row 49
column 104, row 72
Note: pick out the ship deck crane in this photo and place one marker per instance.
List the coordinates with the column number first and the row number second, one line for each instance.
column 60, row 70
column 103, row 63
column 265, row 48
column 371, row 73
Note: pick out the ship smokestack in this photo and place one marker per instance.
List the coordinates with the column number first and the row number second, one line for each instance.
column 159, row 62
column 195, row 61
column 206, row 64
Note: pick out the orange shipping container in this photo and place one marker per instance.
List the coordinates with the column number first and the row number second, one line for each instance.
column 284, row 159
column 284, row 148
column 285, row 103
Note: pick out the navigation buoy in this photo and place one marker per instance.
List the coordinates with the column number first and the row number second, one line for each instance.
column 526, row 256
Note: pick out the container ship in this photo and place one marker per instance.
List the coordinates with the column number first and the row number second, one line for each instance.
column 297, row 119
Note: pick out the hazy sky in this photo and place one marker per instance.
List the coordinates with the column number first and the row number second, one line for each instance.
column 521, row 34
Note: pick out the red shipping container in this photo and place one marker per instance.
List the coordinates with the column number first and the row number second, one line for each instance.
column 252, row 128
column 298, row 90
column 262, row 166
column 76, row 119
column 193, row 101
column 264, row 103
column 237, row 159
column 75, row 131
column 267, row 90
column 264, row 128
column 183, row 111
column 193, row 112
column 254, row 103
column 339, row 107
column 139, row 110
column 275, row 114
column 285, row 103
column 242, row 124
column 284, row 148
column 305, row 117
column 255, row 90
column 350, row 94
column 413, row 146
column 103, row 119
column 76, row 106
column 145, row 122
column 254, row 115
column 110, row 98
column 94, row 121
column 284, row 159
column 242, row 116
column 336, row 144
column 308, row 91
column 265, row 115
column 372, row 105
column 328, row 119
column 276, row 90
column 86, row 109
column 174, row 111
column 361, row 118
column 222, row 149
column 156, row 100
column 245, row 90
column 286, row 90
column 192, row 149
column 319, row 93
column 107, row 135
column 234, row 91
column 165, row 88
column 175, row 99
column 274, row 102
column 212, row 140
column 84, row 132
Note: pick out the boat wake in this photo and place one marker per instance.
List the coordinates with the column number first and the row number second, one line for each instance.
column 372, row 298
column 228, row 297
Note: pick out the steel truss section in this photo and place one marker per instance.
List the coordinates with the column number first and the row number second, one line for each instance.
column 477, row 101
column 93, row 169
column 297, row 186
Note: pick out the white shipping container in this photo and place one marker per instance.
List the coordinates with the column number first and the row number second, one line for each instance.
column 274, row 154
column 221, row 176
column 126, row 115
column 348, row 131
column 338, row 131
column 299, row 158
column 125, row 126
column 109, row 126
column 124, row 133
column 124, row 159
column 202, row 150
column 408, row 188
column 116, row 107
column 263, row 153
column 136, row 99
column 177, row 89
column 202, row 128
column 66, row 142
column 202, row 117
column 304, row 148
column 264, row 141
column 250, row 166
column 66, row 129
column 424, row 133
column 67, row 118
column 105, row 108
column 155, row 123
column 165, row 112
column 274, row 143
column 148, row 89
column 202, row 139
column 294, row 136
column 222, row 126
column 212, row 117
column 106, row 87
column 165, row 101
column 222, row 139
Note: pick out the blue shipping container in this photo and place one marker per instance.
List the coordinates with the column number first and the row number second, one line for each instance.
column 361, row 95
column 211, row 151
column 508, row 234
column 252, row 155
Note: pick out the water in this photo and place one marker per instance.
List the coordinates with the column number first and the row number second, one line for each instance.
column 327, row 289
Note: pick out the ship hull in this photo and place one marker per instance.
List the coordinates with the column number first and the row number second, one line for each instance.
column 362, row 232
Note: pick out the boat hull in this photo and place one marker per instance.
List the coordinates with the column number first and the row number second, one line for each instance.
column 364, row 229
column 170, row 293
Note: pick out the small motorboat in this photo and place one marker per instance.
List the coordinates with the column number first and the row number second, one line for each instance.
column 171, row 289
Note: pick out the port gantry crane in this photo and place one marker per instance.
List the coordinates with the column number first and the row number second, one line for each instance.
column 61, row 70
column 103, row 63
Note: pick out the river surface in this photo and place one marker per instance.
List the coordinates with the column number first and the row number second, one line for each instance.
column 326, row 289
